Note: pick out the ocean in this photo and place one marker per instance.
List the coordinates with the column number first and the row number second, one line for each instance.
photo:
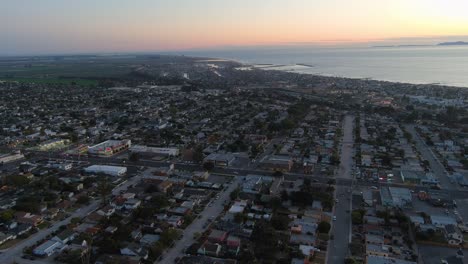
column 446, row 65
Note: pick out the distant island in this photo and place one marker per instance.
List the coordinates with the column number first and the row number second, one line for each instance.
column 456, row 43
column 401, row 46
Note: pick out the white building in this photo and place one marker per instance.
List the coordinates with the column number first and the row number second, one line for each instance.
column 110, row 147
column 47, row 248
column 10, row 157
column 109, row 170
column 155, row 150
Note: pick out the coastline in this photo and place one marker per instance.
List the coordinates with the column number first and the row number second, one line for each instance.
column 290, row 69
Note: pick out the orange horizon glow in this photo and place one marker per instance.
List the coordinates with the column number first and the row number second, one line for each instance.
column 152, row 25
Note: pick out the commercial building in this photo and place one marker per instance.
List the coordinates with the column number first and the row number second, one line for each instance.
column 108, row 170
column 5, row 158
column 154, row 150
column 53, row 144
column 223, row 160
column 277, row 163
column 110, row 147
column 396, row 197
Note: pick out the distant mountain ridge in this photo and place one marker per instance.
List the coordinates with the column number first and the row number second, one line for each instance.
column 454, row 43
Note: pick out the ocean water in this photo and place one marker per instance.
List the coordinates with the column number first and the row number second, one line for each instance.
column 447, row 65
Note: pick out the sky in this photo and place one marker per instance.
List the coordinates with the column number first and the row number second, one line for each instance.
column 80, row 26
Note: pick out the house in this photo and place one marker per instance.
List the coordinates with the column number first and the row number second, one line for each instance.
column 377, row 250
column 179, row 211
column 303, row 232
column 106, row 211
column 149, row 239
column 28, row 218
column 210, row 249
column 233, row 244
column 65, row 236
column 175, row 221
column 188, row 204
column 132, row 204
column 374, row 239
column 134, row 250
column 111, row 229
column 217, row 236
column 164, row 186
column 47, row 248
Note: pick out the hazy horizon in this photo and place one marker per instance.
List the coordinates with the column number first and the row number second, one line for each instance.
column 58, row 27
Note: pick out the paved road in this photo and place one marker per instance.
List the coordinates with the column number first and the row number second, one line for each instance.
column 9, row 255
column 14, row 253
column 197, row 225
column 427, row 154
column 341, row 230
column 343, row 178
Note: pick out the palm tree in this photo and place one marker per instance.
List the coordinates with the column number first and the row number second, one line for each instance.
column 104, row 189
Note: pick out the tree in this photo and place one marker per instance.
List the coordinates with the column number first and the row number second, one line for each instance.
column 156, row 250
column 275, row 203
column 307, row 182
column 357, row 216
column 18, row 180
column 83, row 199
column 6, row 215
column 335, row 159
column 239, row 218
column 350, row 261
column 198, row 154
column 280, row 222
column 168, row 236
column 234, row 194
column 208, row 166
column 277, row 174
column 75, row 220
column 284, row 195
column 323, row 227
column 104, row 189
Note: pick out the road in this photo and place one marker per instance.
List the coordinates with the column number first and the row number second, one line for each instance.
column 14, row 253
column 343, row 177
column 427, row 154
column 341, row 228
column 9, row 255
column 197, row 225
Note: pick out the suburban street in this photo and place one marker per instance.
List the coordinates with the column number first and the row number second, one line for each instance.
column 197, row 225
column 14, row 252
column 338, row 247
column 437, row 168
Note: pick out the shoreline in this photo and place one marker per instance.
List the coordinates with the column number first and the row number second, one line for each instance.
column 274, row 67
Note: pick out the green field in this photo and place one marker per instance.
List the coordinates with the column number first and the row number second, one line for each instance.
column 81, row 82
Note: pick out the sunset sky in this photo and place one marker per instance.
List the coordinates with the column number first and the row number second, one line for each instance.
column 54, row 26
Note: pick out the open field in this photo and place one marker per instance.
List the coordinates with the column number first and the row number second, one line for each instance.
column 82, row 82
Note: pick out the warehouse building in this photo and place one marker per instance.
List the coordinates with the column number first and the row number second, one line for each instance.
column 154, row 150
column 108, row 170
